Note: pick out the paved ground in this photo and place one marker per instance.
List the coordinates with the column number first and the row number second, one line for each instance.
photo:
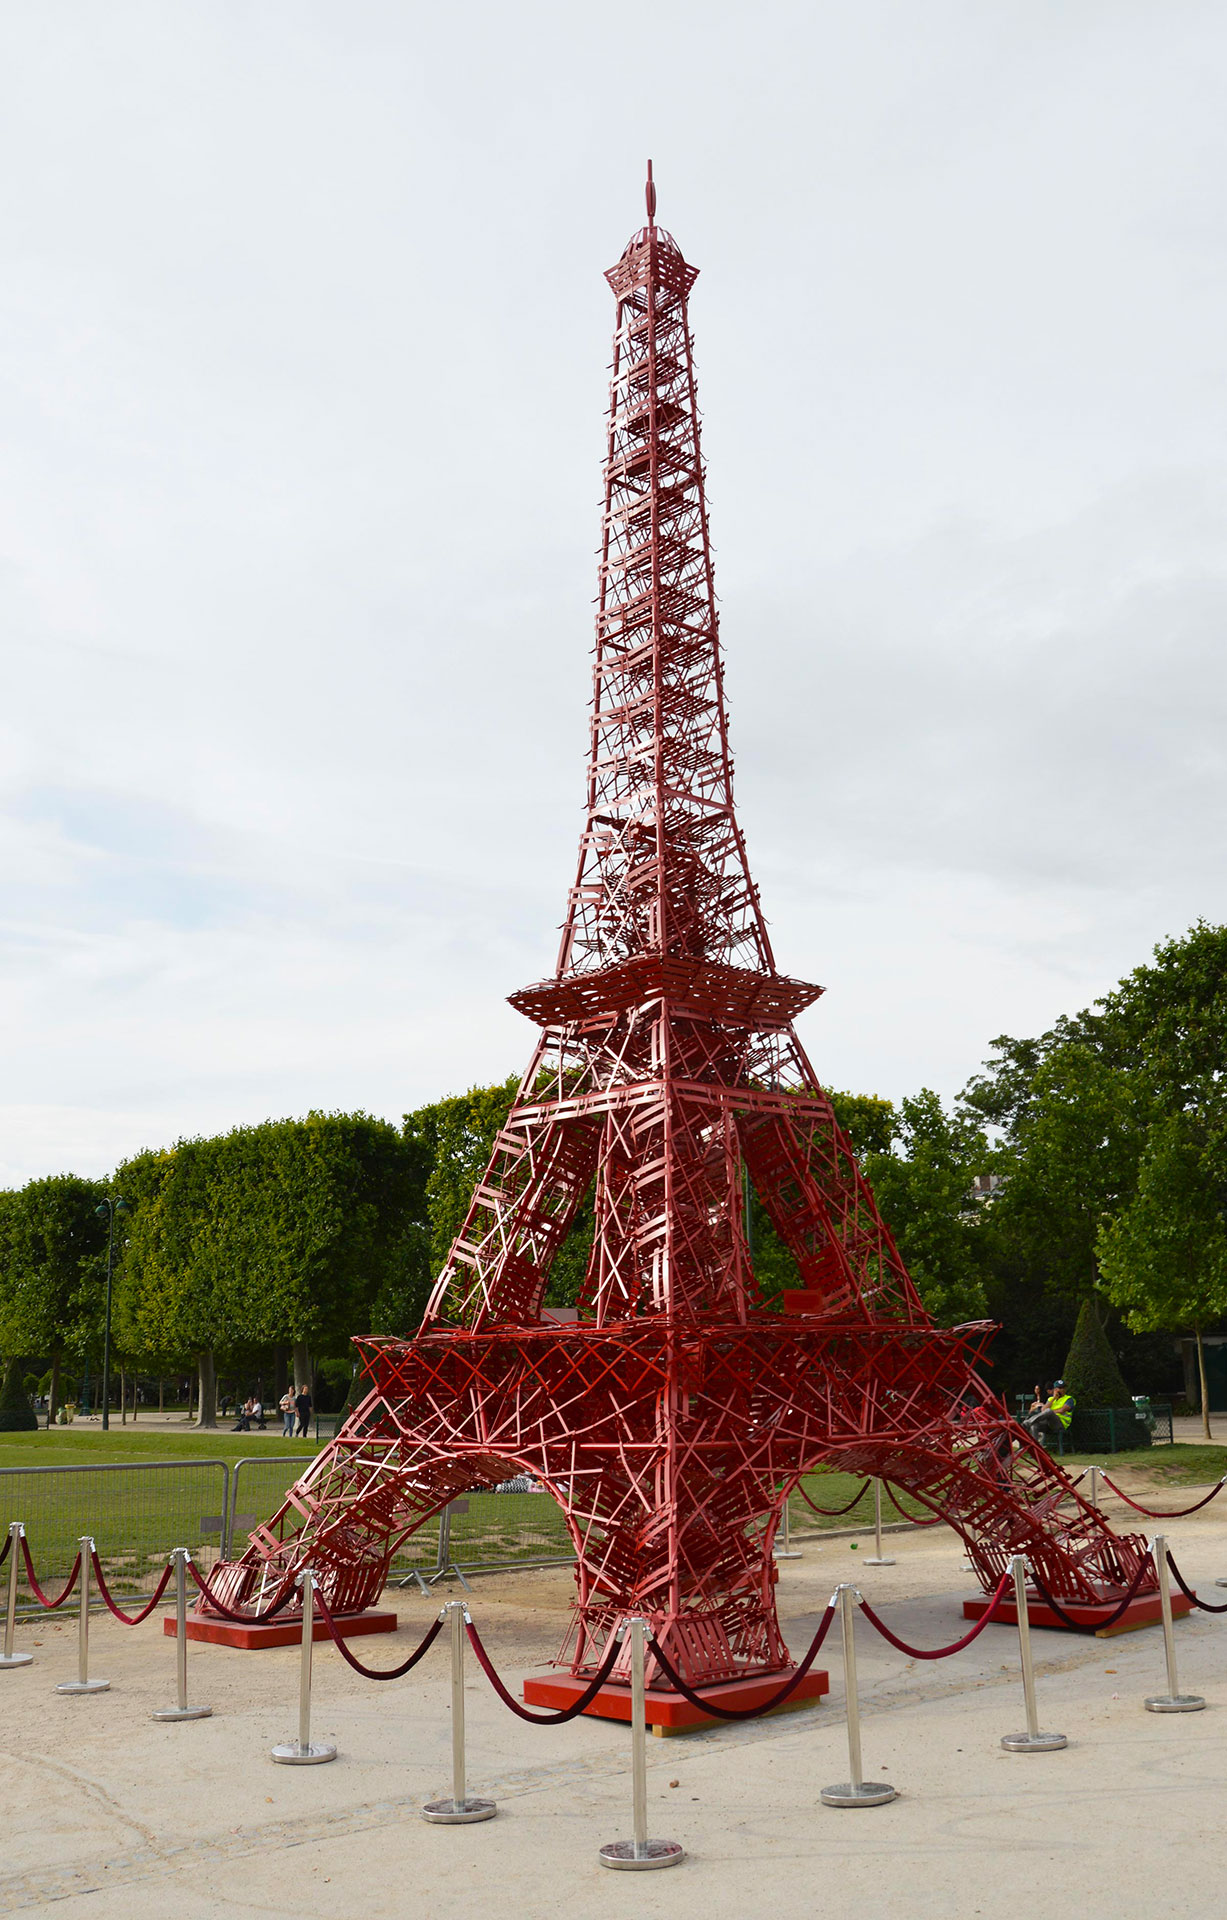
column 108, row 1814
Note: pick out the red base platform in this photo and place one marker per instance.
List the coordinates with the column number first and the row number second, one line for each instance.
column 1142, row 1612
column 279, row 1632
column 667, row 1712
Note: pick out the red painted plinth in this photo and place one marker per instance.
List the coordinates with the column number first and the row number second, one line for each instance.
column 279, row 1632
column 1142, row 1612
column 667, row 1712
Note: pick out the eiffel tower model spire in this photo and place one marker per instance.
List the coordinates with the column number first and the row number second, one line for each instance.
column 673, row 1415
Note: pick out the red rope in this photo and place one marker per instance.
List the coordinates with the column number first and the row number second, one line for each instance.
column 746, row 1713
column 911, row 1519
column 832, row 1513
column 1188, row 1593
column 244, row 1619
column 36, row 1590
column 1092, row 1626
column 1152, row 1513
column 543, row 1719
column 4, row 1553
column 938, row 1653
column 130, row 1619
column 375, row 1673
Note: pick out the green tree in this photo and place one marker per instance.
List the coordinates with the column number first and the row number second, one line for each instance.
column 1074, row 1163
column 1164, row 1258
column 52, row 1268
column 294, row 1232
column 923, row 1191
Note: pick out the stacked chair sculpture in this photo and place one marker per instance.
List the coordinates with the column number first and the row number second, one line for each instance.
column 671, row 1416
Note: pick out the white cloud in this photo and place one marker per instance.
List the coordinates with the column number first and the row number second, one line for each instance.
column 302, row 348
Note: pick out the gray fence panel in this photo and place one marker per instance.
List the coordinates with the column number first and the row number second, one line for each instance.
column 489, row 1531
column 137, row 1513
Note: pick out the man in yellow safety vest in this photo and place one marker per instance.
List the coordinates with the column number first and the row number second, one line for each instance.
column 1052, row 1420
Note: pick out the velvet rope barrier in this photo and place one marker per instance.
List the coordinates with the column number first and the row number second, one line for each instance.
column 130, row 1619
column 36, row 1590
column 4, row 1551
column 542, row 1719
column 1152, row 1513
column 938, row 1653
column 745, row 1713
column 375, row 1673
column 1202, row 1605
column 281, row 1600
column 911, row 1519
column 833, row 1513
column 1092, row 1626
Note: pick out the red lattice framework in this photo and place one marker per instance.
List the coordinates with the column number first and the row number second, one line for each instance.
column 670, row 1420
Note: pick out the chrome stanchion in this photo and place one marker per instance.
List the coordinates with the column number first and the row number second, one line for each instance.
column 639, row 1853
column 1032, row 1741
column 83, row 1683
column 876, row 1558
column 1173, row 1701
column 459, row 1810
column 8, row 1658
column 182, row 1711
column 304, row 1752
column 856, row 1791
column 783, row 1548
column 1094, row 1472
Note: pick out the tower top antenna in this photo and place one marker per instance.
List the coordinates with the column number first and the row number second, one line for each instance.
column 650, row 195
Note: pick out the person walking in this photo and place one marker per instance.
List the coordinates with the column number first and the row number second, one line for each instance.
column 302, row 1406
column 287, row 1410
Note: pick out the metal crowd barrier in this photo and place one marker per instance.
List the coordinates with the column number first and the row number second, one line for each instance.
column 132, row 1509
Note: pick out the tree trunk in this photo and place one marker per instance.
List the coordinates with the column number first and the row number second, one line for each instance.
column 281, row 1372
column 161, row 1394
column 207, row 1374
column 53, row 1397
column 136, row 1381
column 1201, row 1381
column 123, row 1398
column 302, row 1366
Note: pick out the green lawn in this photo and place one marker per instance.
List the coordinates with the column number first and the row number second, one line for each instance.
column 1179, row 1466
column 79, row 1445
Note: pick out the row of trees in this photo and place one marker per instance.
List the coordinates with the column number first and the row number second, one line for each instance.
column 1082, row 1172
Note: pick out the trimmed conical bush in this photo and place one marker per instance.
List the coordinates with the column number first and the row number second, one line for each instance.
column 1091, row 1373
column 16, row 1413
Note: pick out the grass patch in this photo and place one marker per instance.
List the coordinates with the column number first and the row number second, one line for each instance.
column 1180, row 1466
column 81, row 1446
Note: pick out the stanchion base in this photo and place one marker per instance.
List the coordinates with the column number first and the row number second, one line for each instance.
column 1221, row 1583
column 870, row 1793
column 445, row 1813
column 16, row 1659
column 1033, row 1742
column 793, row 1553
column 290, row 1754
column 1174, row 1703
column 182, row 1713
column 84, row 1686
column 873, row 1561
column 654, row 1853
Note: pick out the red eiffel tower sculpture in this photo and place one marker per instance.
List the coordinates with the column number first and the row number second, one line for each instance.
column 670, row 1420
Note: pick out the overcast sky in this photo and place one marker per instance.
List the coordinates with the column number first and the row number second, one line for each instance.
column 303, row 348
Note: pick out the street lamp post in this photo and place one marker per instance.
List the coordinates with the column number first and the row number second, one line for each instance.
column 110, row 1206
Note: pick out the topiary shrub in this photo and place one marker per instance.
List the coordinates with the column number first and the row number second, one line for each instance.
column 16, row 1413
column 1091, row 1373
